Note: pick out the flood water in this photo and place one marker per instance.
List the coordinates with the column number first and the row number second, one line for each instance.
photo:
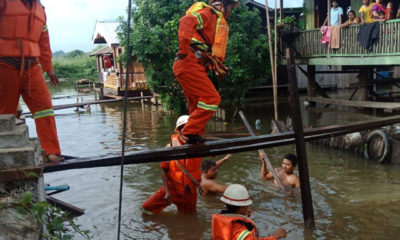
column 353, row 198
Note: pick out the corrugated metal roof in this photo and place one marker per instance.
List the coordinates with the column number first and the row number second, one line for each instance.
column 102, row 51
column 106, row 32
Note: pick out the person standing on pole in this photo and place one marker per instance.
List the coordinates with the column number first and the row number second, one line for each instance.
column 203, row 36
column 24, row 44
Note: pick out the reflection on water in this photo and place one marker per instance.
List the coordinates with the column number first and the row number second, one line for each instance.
column 353, row 198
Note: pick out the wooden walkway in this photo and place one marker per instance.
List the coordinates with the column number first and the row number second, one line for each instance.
column 214, row 148
column 362, row 104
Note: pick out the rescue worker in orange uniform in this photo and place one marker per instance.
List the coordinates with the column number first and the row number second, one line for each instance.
column 203, row 36
column 24, row 44
column 178, row 187
column 233, row 223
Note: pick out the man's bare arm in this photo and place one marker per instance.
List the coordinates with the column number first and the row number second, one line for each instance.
column 264, row 174
column 214, row 187
column 223, row 160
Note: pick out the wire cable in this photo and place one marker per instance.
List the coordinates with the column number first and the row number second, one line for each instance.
column 128, row 61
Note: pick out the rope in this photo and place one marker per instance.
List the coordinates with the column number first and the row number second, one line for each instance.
column 128, row 56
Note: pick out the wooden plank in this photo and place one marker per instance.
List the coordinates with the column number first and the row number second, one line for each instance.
column 19, row 174
column 74, row 211
column 220, row 147
column 362, row 104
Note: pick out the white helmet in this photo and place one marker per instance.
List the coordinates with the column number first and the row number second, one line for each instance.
column 236, row 195
column 182, row 120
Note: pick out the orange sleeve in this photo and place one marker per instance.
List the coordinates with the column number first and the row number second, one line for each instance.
column 188, row 25
column 45, row 51
column 164, row 165
column 240, row 231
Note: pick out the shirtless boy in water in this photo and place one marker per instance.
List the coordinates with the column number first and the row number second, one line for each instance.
column 286, row 174
column 210, row 173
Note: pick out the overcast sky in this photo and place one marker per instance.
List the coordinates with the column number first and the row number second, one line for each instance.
column 71, row 23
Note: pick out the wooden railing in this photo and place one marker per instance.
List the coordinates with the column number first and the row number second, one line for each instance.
column 308, row 43
column 136, row 80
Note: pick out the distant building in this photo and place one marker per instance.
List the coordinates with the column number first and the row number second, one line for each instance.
column 111, row 73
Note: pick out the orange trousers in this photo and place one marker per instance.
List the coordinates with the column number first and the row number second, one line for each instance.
column 185, row 201
column 202, row 97
column 35, row 93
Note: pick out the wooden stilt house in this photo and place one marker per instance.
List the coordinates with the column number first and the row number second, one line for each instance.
column 111, row 73
column 350, row 65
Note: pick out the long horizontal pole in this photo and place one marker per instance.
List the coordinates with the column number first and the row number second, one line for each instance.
column 82, row 104
column 214, row 148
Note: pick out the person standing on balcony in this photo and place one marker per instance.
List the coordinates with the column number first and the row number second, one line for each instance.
column 24, row 44
column 389, row 11
column 366, row 12
column 336, row 15
column 203, row 36
column 378, row 10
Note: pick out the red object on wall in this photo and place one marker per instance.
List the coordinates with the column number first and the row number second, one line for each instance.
column 108, row 62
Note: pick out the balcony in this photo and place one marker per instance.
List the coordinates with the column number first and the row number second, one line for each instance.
column 310, row 50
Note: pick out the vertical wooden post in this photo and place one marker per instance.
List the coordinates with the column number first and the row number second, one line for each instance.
column 311, row 90
column 363, row 81
column 306, row 199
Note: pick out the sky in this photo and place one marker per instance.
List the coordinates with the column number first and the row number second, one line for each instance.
column 71, row 23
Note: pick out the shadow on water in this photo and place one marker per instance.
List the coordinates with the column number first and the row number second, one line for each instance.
column 353, row 198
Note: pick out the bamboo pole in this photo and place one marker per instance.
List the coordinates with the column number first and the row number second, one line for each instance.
column 275, row 79
column 271, row 56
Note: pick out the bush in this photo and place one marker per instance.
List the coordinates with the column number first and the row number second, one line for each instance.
column 75, row 65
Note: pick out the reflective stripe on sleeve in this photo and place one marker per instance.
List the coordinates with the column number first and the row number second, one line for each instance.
column 199, row 20
column 207, row 107
column 146, row 211
column 44, row 113
column 243, row 235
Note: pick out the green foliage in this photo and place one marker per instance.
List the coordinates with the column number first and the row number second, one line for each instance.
column 290, row 21
column 75, row 65
column 59, row 224
column 154, row 41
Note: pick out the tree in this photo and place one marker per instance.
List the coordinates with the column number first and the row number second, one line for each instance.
column 154, row 42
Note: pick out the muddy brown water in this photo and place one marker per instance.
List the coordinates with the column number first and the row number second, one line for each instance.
column 353, row 198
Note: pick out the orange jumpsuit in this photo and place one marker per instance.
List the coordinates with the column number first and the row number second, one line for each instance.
column 234, row 227
column 202, row 97
column 24, row 42
column 182, row 189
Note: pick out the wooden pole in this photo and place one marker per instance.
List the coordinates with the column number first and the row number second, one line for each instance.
column 306, row 199
column 275, row 79
column 271, row 56
column 311, row 90
column 266, row 160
